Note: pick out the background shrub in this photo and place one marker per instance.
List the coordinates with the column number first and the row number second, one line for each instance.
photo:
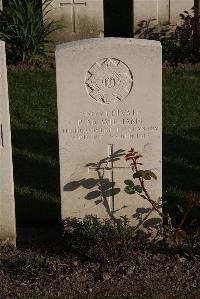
column 181, row 45
column 187, row 34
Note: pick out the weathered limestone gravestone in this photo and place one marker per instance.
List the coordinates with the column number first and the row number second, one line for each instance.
column 7, row 206
column 109, row 100
column 177, row 7
column 94, row 18
column 165, row 12
column 81, row 18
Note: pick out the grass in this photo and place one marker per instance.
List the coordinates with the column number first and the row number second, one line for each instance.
column 35, row 146
column 181, row 136
column 35, row 142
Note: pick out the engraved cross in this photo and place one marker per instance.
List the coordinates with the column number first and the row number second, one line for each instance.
column 110, row 170
column 1, row 136
column 73, row 4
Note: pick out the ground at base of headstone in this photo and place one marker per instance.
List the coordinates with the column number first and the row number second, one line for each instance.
column 40, row 267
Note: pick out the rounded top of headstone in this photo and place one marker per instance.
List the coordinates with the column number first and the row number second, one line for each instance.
column 109, row 40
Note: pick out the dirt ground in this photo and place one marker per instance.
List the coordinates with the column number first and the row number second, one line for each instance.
column 40, row 267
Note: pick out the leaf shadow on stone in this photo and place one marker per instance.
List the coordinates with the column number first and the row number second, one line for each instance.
column 148, row 29
column 105, row 188
column 148, row 223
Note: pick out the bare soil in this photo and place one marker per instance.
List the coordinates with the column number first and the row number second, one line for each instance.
column 41, row 267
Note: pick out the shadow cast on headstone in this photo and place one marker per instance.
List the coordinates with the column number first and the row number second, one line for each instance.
column 148, row 29
column 148, row 227
column 181, row 170
column 36, row 176
column 105, row 187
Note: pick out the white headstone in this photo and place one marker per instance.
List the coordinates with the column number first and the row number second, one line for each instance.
column 85, row 18
column 7, row 206
column 178, row 7
column 81, row 18
column 162, row 11
column 109, row 100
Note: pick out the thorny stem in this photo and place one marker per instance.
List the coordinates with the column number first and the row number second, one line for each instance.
column 193, row 201
column 146, row 192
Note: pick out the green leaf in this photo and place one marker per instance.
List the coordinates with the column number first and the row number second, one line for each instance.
column 138, row 174
column 151, row 174
column 138, row 189
column 129, row 182
column 129, row 190
column 146, row 176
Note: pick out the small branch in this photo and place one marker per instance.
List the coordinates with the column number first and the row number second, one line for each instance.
column 152, row 202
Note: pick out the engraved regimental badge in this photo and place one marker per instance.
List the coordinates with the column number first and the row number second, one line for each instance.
column 109, row 81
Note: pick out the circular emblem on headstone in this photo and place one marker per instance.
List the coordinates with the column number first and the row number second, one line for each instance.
column 109, row 81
